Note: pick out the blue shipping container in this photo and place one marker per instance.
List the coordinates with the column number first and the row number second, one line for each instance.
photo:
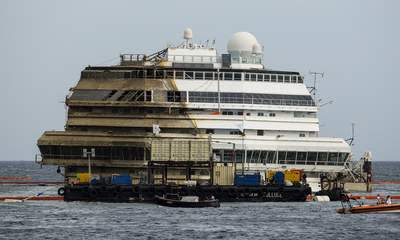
column 121, row 180
column 279, row 178
column 247, row 180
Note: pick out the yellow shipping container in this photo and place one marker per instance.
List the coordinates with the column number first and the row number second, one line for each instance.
column 270, row 174
column 83, row 177
column 293, row 175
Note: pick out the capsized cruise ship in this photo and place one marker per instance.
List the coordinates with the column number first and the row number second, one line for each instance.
column 251, row 118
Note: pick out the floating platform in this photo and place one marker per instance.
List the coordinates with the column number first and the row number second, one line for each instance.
column 373, row 197
column 33, row 183
column 147, row 193
column 36, row 198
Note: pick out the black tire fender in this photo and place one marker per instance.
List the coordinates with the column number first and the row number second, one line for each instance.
column 61, row 191
column 93, row 193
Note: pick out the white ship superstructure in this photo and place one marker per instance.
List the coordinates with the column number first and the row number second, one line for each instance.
column 268, row 115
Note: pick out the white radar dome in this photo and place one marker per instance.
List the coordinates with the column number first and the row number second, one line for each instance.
column 188, row 34
column 257, row 49
column 242, row 42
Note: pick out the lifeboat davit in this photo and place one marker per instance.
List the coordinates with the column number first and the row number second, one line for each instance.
column 381, row 208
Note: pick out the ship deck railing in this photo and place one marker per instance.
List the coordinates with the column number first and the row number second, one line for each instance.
column 222, row 75
column 264, row 101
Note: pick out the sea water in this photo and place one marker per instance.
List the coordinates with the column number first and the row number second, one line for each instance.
column 83, row 220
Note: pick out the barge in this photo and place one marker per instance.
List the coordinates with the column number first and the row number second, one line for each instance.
column 148, row 193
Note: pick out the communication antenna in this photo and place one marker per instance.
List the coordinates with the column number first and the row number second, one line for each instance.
column 351, row 140
column 314, row 87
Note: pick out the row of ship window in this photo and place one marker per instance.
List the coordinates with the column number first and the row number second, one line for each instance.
column 135, row 110
column 241, row 98
column 283, row 157
column 102, row 153
column 259, row 114
column 237, row 132
column 253, row 156
column 195, row 75
column 199, row 97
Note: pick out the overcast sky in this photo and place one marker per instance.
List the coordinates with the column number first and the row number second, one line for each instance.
column 45, row 44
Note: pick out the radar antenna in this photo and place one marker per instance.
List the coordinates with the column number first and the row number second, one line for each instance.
column 313, row 89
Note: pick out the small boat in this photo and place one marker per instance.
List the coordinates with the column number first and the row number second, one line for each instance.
column 380, row 208
column 174, row 200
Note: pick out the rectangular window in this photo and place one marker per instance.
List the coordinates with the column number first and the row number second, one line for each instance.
column 263, row 157
column 239, row 156
column 260, row 132
column 148, row 96
column 253, row 77
column 301, row 157
column 234, row 133
column 176, row 96
column 333, row 157
column 294, row 79
column 302, row 135
column 311, row 158
column 280, row 78
column 260, row 114
column 189, row 75
column 141, row 73
column 208, row 76
column 179, row 75
column 266, row 78
column 343, row 157
column 271, row 157
column 240, row 113
column 247, row 76
column 282, row 157
column 159, row 74
column 199, row 75
column 273, row 78
column 150, row 73
column 260, row 77
column 228, row 76
column 272, row 114
column 170, row 74
column 300, row 79
column 287, row 79
column 322, row 158
column 209, row 131
column 227, row 113
column 237, row 77
column 291, row 157
column 228, row 156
